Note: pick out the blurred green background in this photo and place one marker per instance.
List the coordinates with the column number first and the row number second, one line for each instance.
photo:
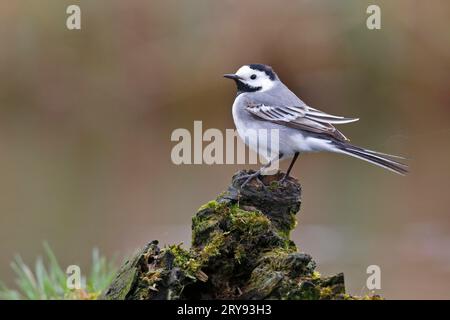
column 86, row 118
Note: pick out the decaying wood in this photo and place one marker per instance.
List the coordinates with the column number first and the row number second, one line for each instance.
column 240, row 249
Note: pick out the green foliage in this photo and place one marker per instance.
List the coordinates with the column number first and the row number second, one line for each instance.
column 48, row 280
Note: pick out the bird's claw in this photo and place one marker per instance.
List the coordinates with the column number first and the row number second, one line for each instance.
column 250, row 177
column 283, row 180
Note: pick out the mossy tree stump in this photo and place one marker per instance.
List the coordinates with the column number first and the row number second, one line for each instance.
column 240, row 250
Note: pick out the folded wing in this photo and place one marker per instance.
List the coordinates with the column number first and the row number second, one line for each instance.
column 300, row 117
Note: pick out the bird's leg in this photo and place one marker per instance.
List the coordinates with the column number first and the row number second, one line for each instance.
column 290, row 167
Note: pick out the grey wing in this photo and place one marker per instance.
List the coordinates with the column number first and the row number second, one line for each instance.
column 298, row 116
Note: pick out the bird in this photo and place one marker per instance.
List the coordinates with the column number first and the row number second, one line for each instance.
column 263, row 102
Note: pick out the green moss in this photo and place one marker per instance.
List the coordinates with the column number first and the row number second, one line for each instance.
column 206, row 222
column 326, row 293
column 214, row 246
column 249, row 222
column 285, row 230
column 277, row 253
column 210, row 205
column 191, row 262
column 307, row 292
column 201, row 225
column 316, row 275
column 180, row 255
column 223, row 194
column 239, row 253
column 276, row 259
column 246, row 222
column 184, row 259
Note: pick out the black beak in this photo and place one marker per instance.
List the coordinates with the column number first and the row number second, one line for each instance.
column 232, row 76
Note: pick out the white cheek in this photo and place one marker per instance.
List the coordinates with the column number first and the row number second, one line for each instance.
column 266, row 84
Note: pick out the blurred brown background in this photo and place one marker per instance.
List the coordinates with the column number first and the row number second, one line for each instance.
column 86, row 118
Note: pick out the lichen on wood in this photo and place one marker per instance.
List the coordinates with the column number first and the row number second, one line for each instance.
column 240, row 249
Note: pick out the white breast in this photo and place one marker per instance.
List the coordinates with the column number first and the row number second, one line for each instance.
column 237, row 117
column 248, row 129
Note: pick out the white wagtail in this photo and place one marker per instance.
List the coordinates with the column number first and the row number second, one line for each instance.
column 264, row 102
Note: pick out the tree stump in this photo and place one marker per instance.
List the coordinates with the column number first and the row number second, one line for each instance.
column 241, row 249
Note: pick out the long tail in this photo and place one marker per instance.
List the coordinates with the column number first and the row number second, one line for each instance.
column 380, row 159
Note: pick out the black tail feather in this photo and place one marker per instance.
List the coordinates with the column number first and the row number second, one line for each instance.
column 379, row 159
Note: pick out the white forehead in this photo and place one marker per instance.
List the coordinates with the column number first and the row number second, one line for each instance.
column 247, row 71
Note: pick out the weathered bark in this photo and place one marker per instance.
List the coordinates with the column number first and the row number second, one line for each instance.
column 240, row 250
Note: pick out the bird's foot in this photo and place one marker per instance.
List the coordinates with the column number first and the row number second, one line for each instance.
column 283, row 180
column 250, row 177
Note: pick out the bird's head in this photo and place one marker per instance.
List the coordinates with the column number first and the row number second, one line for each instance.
column 254, row 77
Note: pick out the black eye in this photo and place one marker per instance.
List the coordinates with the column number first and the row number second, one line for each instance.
column 253, row 76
